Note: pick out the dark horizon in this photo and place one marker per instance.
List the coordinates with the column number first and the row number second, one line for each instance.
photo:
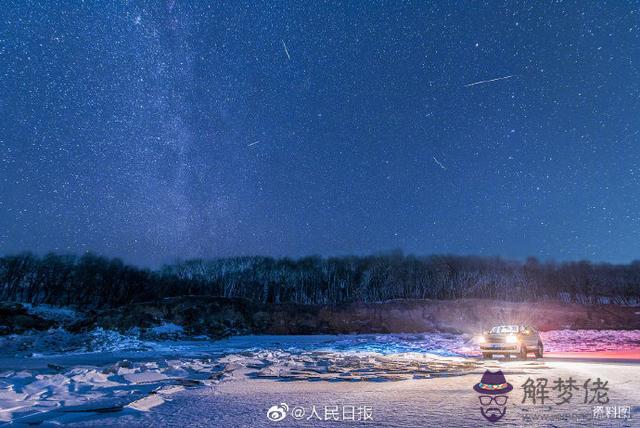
column 160, row 130
column 392, row 253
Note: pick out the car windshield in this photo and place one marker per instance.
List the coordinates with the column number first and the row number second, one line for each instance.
column 504, row 329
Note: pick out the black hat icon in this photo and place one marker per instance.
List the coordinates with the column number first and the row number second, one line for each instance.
column 493, row 383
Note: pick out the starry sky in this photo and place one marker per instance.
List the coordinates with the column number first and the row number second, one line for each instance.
column 157, row 130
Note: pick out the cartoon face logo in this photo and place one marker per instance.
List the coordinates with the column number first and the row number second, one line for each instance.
column 493, row 389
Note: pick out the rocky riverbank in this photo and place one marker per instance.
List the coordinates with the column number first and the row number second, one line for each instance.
column 219, row 317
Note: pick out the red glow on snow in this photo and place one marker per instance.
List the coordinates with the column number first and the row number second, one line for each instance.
column 627, row 355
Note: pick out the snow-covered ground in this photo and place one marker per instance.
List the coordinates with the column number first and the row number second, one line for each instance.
column 105, row 377
column 63, row 314
column 59, row 341
column 590, row 340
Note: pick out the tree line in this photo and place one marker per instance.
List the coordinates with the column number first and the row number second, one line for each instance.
column 96, row 281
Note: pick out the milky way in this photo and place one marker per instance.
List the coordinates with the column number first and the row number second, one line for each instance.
column 153, row 131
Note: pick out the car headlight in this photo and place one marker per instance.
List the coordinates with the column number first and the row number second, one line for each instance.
column 481, row 339
column 512, row 339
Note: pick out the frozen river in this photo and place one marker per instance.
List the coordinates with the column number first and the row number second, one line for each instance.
column 390, row 380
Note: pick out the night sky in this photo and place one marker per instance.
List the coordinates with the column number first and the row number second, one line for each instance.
column 160, row 130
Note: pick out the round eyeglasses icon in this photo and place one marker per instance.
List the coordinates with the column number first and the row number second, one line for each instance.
column 500, row 400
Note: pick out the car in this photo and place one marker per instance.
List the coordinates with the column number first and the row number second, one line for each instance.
column 509, row 340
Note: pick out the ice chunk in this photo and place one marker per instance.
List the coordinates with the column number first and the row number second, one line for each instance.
column 167, row 329
column 147, row 403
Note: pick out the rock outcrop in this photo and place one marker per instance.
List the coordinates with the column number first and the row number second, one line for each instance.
column 217, row 316
column 15, row 319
